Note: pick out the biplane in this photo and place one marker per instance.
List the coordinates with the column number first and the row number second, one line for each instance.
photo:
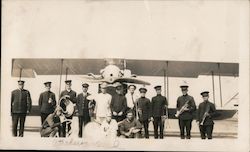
column 126, row 72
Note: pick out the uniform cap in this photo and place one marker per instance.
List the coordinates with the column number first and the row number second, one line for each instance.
column 157, row 87
column 47, row 83
column 20, row 82
column 68, row 81
column 184, row 85
column 143, row 90
column 85, row 85
column 205, row 93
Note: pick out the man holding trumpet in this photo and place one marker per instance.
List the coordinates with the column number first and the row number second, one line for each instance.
column 185, row 108
column 205, row 113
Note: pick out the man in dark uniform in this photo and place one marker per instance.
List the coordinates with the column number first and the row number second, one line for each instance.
column 72, row 94
column 186, row 104
column 144, row 109
column 205, row 113
column 20, row 106
column 159, row 106
column 118, row 104
column 47, row 102
column 83, row 106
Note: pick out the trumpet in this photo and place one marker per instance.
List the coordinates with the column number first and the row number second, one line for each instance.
column 179, row 112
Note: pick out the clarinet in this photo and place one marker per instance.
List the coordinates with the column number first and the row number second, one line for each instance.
column 205, row 115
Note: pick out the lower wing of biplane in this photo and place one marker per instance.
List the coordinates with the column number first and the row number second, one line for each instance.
column 119, row 70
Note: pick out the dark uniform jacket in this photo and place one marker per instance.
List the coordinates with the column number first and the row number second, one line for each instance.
column 45, row 106
column 20, row 101
column 118, row 103
column 126, row 125
column 144, row 105
column 82, row 104
column 203, row 107
column 187, row 115
column 71, row 93
column 158, row 105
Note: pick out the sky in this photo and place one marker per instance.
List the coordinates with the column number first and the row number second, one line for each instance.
column 163, row 30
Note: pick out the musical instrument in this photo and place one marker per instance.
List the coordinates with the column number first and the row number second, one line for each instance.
column 132, row 131
column 67, row 104
column 205, row 115
column 179, row 112
column 139, row 110
column 91, row 107
column 63, row 119
column 136, row 111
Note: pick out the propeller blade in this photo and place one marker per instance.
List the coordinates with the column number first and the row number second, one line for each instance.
column 97, row 77
column 131, row 80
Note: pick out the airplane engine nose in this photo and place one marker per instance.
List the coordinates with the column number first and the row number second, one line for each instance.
column 111, row 71
column 111, row 79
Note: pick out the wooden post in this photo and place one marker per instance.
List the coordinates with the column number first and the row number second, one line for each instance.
column 220, row 85
column 213, row 86
column 60, row 78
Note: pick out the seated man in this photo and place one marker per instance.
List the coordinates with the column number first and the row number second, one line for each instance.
column 109, row 127
column 52, row 123
column 130, row 127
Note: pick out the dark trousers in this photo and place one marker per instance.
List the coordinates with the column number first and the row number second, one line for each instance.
column 185, row 125
column 158, row 124
column 49, row 132
column 118, row 118
column 63, row 130
column 206, row 131
column 82, row 121
column 145, row 125
column 18, row 118
column 44, row 116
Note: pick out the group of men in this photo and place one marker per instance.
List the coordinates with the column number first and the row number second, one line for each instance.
column 131, row 112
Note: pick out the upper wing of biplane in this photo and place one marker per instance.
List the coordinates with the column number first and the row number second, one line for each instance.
column 139, row 67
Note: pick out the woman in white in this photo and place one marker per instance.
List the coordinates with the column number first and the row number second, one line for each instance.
column 103, row 101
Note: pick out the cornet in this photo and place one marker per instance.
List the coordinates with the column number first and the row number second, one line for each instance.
column 179, row 112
